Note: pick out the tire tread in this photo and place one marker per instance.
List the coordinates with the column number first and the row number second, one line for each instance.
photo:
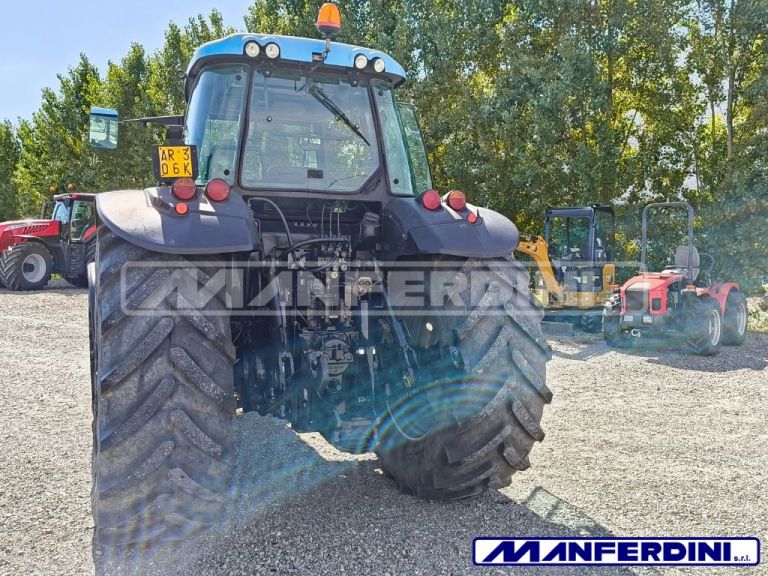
column 485, row 449
column 163, row 405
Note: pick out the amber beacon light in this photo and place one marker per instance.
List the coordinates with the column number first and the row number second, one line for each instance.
column 328, row 20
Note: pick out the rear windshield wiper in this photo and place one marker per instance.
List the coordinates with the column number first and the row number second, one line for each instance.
column 318, row 94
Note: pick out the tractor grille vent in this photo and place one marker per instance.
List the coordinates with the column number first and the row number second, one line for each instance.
column 637, row 301
column 33, row 229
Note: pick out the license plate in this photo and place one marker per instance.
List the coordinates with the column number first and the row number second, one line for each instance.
column 629, row 318
column 175, row 162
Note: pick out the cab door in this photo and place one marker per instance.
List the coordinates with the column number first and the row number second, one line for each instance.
column 83, row 218
column 77, row 234
column 62, row 213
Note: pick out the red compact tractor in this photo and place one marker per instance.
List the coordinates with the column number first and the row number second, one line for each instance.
column 682, row 303
column 61, row 242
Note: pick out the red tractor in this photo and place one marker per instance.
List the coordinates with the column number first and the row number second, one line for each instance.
column 61, row 242
column 682, row 303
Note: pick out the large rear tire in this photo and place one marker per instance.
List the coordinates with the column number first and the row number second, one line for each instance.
column 163, row 400
column 26, row 267
column 491, row 413
column 704, row 326
column 735, row 320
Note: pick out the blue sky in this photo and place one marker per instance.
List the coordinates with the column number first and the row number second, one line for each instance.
column 42, row 38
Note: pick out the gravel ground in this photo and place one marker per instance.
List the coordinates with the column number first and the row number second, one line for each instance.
column 637, row 444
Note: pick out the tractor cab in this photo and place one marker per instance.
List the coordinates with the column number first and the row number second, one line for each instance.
column 283, row 117
column 75, row 213
column 274, row 126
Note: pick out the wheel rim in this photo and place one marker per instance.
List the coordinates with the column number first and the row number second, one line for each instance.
column 33, row 268
column 714, row 327
column 741, row 319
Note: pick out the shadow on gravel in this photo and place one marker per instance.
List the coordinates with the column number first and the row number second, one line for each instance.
column 55, row 287
column 48, row 291
column 579, row 348
column 300, row 507
column 752, row 355
column 549, row 507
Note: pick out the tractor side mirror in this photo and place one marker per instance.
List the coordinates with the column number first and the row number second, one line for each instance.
column 103, row 130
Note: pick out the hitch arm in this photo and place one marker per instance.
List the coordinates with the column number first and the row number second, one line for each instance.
column 409, row 374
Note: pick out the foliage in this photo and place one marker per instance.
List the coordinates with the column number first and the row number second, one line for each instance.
column 54, row 151
column 758, row 314
column 9, row 157
column 524, row 105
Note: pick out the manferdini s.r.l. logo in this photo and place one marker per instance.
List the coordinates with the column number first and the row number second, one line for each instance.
column 493, row 551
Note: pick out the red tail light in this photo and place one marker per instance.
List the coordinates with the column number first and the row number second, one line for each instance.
column 217, row 190
column 456, row 200
column 184, row 188
column 431, row 200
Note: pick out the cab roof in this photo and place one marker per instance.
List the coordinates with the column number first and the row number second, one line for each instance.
column 294, row 49
column 74, row 196
column 577, row 211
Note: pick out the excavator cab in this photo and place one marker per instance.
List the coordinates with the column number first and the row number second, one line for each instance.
column 583, row 235
column 575, row 261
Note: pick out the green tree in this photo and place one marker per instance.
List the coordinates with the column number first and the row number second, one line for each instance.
column 168, row 65
column 9, row 156
column 125, row 89
column 53, row 149
column 524, row 105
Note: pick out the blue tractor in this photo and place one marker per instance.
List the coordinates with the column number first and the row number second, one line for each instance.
column 294, row 260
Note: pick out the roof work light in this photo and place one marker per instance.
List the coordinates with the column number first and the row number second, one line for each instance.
column 252, row 49
column 272, row 50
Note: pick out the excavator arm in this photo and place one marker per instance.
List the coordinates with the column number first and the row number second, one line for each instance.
column 538, row 249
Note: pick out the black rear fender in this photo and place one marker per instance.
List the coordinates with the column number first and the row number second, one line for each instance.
column 410, row 229
column 148, row 219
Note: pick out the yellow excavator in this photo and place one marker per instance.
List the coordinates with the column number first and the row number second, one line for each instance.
column 576, row 266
